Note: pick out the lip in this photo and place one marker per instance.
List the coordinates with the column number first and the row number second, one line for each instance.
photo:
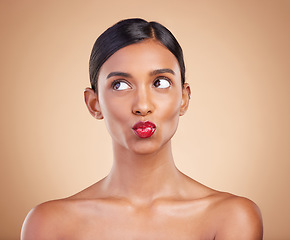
column 144, row 129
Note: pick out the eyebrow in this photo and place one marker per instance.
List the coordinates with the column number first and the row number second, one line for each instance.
column 163, row 70
column 155, row 72
column 120, row 74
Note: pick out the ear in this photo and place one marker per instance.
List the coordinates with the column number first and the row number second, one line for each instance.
column 186, row 92
column 92, row 102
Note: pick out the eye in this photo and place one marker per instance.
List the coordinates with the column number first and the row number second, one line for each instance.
column 120, row 85
column 162, row 83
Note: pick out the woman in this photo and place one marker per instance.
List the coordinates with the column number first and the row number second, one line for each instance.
column 138, row 87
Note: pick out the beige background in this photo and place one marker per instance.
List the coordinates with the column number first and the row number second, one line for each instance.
column 235, row 136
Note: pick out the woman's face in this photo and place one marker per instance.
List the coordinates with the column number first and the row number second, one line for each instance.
column 141, row 83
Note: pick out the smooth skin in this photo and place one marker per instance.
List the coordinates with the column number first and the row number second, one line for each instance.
column 144, row 196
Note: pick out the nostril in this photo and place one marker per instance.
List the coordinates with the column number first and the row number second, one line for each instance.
column 137, row 112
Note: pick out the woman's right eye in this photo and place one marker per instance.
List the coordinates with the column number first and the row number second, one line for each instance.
column 120, row 85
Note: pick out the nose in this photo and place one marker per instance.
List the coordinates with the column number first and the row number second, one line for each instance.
column 142, row 103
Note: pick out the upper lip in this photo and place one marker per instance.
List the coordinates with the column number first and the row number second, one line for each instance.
column 143, row 125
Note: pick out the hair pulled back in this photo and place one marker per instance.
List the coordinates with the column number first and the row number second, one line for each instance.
column 127, row 32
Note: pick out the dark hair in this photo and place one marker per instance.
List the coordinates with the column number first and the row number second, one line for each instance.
column 127, row 32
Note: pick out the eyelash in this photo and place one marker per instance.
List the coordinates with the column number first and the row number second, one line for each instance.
column 122, row 80
column 162, row 77
column 118, row 81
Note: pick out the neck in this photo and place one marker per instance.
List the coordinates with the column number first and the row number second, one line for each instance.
column 142, row 176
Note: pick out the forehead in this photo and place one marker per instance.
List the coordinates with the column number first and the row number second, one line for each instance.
column 142, row 57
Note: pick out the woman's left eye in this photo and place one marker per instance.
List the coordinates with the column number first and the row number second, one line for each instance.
column 162, row 83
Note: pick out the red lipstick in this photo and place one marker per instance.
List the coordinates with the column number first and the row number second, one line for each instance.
column 144, row 129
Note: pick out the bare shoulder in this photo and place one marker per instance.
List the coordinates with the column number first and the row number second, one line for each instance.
column 237, row 218
column 54, row 219
column 43, row 221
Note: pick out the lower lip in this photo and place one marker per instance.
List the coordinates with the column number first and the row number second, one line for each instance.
column 144, row 129
column 144, row 132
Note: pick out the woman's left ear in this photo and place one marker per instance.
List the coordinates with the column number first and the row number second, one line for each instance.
column 186, row 92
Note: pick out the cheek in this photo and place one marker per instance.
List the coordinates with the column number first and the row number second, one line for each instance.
column 112, row 107
column 115, row 113
column 171, row 105
column 170, row 111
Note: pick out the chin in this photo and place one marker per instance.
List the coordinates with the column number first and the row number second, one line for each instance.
column 144, row 148
column 148, row 146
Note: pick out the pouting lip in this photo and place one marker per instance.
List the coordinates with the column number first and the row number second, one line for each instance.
column 144, row 129
column 144, row 125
